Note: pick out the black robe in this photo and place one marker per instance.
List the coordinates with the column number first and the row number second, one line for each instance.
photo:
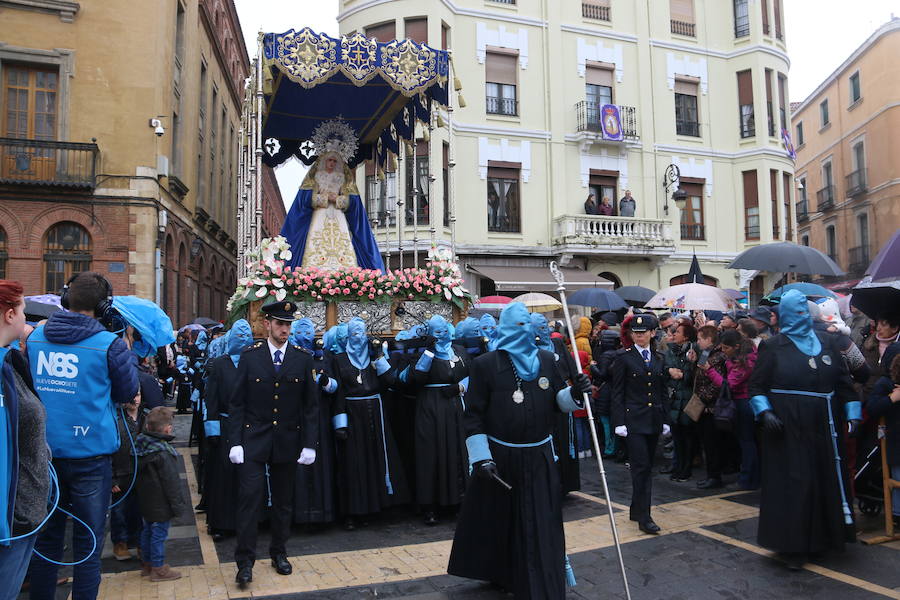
column 564, row 436
column 220, row 487
column 441, row 459
column 513, row 538
column 368, row 459
column 800, row 504
column 314, row 491
column 400, row 410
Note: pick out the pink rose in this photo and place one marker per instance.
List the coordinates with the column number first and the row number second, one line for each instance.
column 359, row 293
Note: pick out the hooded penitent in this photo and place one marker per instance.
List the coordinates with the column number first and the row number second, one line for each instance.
column 516, row 337
column 439, row 329
column 796, row 323
column 357, row 343
column 201, row 342
column 468, row 327
column 489, row 328
column 303, row 333
column 216, row 347
column 239, row 337
column 541, row 331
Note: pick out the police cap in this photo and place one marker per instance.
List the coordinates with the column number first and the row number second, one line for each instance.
column 644, row 322
column 283, row 311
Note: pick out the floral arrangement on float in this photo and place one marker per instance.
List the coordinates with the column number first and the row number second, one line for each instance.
column 440, row 280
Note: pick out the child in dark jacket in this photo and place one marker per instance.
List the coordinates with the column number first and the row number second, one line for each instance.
column 159, row 491
column 125, row 515
column 884, row 401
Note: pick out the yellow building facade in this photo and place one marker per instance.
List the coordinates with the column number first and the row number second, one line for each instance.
column 698, row 84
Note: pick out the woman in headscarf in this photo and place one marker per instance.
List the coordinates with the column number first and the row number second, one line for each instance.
column 370, row 476
column 220, row 475
column 440, row 377
column 314, row 491
column 564, row 436
column 803, row 398
column 489, row 329
column 513, row 537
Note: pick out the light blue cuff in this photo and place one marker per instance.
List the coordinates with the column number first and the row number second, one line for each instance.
column 853, row 410
column 759, row 404
column 169, row 380
column 382, row 366
column 477, row 445
column 195, row 397
column 424, row 364
column 404, row 375
column 212, row 428
column 565, row 402
column 339, row 421
column 331, row 387
column 465, row 384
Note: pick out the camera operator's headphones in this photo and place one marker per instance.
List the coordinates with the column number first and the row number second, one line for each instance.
column 103, row 309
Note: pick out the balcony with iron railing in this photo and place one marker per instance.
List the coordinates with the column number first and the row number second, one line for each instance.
column 48, row 163
column 825, row 198
column 802, row 211
column 599, row 234
column 593, row 10
column 501, row 106
column 687, row 127
column 856, row 183
column 693, row 231
column 858, row 260
column 683, row 28
column 589, row 119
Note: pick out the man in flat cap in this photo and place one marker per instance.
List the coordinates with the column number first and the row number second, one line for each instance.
column 273, row 422
column 637, row 410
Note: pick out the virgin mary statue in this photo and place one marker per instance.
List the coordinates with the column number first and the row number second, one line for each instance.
column 327, row 226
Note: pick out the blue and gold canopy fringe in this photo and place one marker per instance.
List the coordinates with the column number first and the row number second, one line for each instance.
column 381, row 90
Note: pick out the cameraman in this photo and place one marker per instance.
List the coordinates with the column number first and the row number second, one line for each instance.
column 81, row 372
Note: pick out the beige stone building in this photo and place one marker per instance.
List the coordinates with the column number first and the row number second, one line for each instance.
column 699, row 84
column 118, row 147
column 847, row 156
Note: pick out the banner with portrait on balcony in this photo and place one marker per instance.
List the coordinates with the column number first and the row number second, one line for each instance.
column 611, row 122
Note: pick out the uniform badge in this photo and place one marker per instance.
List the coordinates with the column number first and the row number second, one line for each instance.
column 827, row 359
column 518, row 396
column 555, row 357
column 812, row 363
column 287, row 307
column 543, row 383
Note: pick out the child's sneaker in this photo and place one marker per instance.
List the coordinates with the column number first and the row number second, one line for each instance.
column 164, row 573
column 120, row 551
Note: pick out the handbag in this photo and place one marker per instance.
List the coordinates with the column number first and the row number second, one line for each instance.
column 725, row 410
column 695, row 406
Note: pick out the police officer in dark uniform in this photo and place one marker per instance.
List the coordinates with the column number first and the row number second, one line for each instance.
column 638, row 412
column 273, row 421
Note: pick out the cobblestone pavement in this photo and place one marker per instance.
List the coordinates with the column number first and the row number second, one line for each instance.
column 707, row 549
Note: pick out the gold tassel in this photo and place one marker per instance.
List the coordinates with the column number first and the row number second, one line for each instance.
column 457, row 84
column 393, row 163
column 380, row 174
column 440, row 121
column 460, row 101
column 425, row 135
column 409, row 148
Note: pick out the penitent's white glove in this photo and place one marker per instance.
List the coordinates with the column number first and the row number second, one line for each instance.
column 666, row 429
column 236, row 455
column 307, row 456
column 622, row 431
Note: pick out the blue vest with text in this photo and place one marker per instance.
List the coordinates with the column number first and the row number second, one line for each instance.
column 72, row 380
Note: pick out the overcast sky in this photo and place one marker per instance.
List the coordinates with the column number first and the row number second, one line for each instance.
column 820, row 34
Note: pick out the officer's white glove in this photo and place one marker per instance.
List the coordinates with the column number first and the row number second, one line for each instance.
column 236, row 455
column 622, row 431
column 307, row 456
column 666, row 429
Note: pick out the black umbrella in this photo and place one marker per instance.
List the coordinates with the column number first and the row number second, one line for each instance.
column 597, row 298
column 877, row 297
column 39, row 309
column 635, row 294
column 786, row 257
column 206, row 322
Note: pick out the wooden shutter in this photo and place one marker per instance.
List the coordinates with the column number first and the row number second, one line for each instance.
column 782, row 98
column 417, row 30
column 500, row 68
column 385, row 32
column 683, row 86
column 778, row 19
column 745, row 87
column 764, row 6
column 751, row 189
column 682, row 10
column 768, row 73
column 599, row 76
column 786, row 179
column 773, row 190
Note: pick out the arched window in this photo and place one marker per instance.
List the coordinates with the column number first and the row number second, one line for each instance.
column 67, row 251
column 3, row 254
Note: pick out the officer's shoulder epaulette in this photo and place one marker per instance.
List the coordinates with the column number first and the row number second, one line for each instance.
column 257, row 344
column 302, row 349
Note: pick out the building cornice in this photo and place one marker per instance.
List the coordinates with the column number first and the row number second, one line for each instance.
column 718, row 53
column 600, row 33
column 890, row 26
column 453, row 8
column 770, row 152
column 64, row 8
column 500, row 131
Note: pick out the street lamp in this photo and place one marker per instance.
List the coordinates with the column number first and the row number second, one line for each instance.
column 672, row 177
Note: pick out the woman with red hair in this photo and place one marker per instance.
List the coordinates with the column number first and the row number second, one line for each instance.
column 23, row 447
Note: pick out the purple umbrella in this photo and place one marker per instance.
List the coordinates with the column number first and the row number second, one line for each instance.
column 736, row 294
column 887, row 263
